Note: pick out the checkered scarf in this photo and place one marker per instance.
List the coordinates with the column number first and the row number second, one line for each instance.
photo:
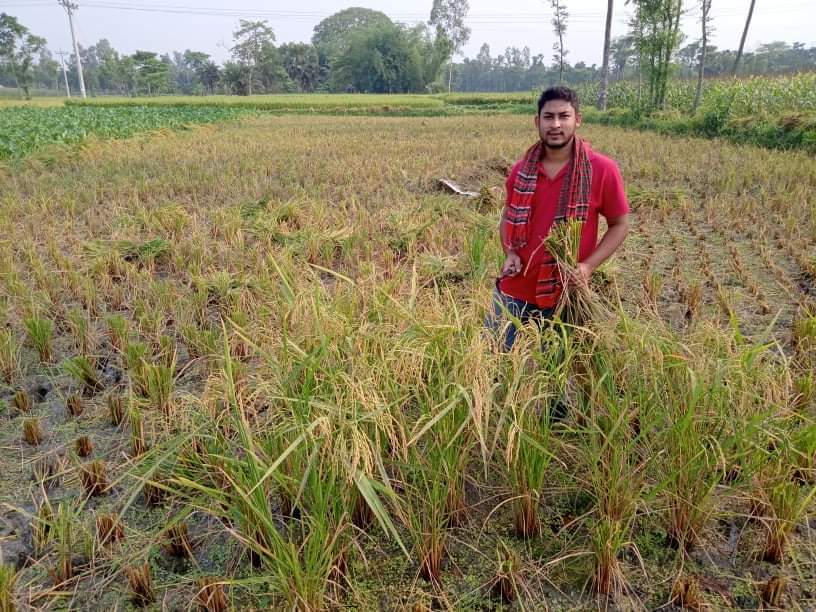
column 573, row 203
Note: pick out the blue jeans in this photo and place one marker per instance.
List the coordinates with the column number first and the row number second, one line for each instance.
column 525, row 312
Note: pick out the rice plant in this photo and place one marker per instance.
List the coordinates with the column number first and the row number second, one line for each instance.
column 84, row 372
column 140, row 584
column 160, row 382
column 46, row 470
column 84, row 335
column 118, row 332
column 83, row 446
column 42, row 527
column 94, row 477
column 691, row 461
column 22, row 401
column 10, row 366
column 66, row 538
column 138, row 438
column 109, row 529
column 576, row 302
column 177, row 541
column 40, row 333
column 529, row 399
column 784, row 502
column 686, row 593
column 771, row 593
column 8, row 583
column 116, row 409
column 509, row 583
column 135, row 355
column 610, row 451
column 74, row 404
column 32, row 431
column 211, row 595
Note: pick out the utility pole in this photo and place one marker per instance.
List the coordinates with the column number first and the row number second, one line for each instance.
column 70, row 7
column 62, row 53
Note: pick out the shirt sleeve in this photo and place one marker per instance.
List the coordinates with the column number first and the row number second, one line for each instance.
column 613, row 202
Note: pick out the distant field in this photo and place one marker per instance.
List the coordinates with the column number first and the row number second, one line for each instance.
column 280, row 102
column 776, row 112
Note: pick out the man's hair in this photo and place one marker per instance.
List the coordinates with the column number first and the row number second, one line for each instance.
column 558, row 93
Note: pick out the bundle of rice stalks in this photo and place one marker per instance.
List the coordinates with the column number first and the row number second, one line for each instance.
column 109, row 529
column 140, row 584
column 577, row 304
column 211, row 595
column 8, row 582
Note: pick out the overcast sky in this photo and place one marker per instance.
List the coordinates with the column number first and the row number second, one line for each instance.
column 207, row 25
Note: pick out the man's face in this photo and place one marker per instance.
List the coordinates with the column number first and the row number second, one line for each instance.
column 556, row 123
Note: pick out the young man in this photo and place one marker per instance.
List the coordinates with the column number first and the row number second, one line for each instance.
column 559, row 178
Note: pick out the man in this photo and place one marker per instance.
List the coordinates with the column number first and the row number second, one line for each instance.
column 559, row 178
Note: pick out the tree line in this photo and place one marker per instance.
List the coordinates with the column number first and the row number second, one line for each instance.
column 363, row 50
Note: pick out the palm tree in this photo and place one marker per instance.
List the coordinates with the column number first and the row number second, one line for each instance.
column 605, row 67
column 742, row 41
column 706, row 6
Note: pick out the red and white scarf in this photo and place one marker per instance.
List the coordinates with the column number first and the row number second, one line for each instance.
column 573, row 203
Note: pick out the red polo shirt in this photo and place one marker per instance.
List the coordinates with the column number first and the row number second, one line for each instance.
column 607, row 198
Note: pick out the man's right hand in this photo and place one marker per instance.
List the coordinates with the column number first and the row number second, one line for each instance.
column 512, row 264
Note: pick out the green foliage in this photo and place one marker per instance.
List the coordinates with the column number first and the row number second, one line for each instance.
column 383, row 59
column 17, row 50
column 331, row 35
column 28, row 129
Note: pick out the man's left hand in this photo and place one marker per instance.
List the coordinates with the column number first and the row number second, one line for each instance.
column 585, row 271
